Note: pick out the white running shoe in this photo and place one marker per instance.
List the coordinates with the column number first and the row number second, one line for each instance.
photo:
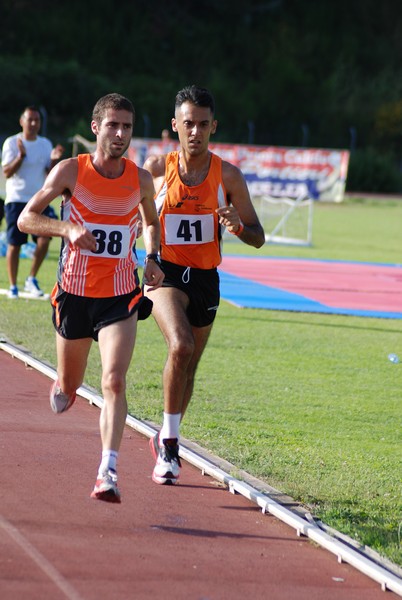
column 167, row 467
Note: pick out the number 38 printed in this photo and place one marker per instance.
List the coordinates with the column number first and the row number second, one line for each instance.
column 111, row 241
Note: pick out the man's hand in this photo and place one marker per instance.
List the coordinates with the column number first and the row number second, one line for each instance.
column 229, row 218
column 57, row 152
column 153, row 275
column 21, row 148
column 81, row 237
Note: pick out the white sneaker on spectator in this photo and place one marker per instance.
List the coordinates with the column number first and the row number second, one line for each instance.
column 13, row 292
column 32, row 287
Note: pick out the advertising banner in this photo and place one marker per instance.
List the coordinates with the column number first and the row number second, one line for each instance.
column 272, row 171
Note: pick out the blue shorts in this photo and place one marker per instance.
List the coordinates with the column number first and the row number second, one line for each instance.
column 15, row 237
column 201, row 287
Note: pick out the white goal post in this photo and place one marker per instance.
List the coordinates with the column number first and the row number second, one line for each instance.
column 286, row 220
column 80, row 144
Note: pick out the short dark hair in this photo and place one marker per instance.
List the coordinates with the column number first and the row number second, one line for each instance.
column 196, row 95
column 33, row 108
column 115, row 101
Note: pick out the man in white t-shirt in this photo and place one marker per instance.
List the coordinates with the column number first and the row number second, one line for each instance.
column 27, row 158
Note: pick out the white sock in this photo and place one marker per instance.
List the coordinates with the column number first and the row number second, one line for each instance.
column 109, row 460
column 170, row 427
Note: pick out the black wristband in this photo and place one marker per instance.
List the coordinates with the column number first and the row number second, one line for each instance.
column 154, row 257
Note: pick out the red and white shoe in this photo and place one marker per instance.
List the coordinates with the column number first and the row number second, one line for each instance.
column 106, row 487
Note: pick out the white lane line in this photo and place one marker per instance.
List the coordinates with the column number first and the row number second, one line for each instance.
column 26, row 295
column 50, row 571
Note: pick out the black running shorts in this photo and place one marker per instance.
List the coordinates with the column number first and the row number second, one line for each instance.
column 201, row 287
column 77, row 317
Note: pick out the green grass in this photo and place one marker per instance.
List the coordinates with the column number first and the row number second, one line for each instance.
column 355, row 230
column 308, row 403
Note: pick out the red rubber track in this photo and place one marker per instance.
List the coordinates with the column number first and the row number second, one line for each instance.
column 344, row 285
column 193, row 541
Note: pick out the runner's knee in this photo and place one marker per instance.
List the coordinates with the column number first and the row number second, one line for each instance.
column 181, row 349
column 113, row 382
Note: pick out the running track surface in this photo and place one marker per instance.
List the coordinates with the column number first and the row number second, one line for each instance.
column 193, row 541
column 348, row 288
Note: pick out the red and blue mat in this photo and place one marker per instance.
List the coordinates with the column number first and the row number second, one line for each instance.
column 319, row 286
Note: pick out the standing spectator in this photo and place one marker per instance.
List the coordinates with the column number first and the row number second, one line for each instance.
column 168, row 144
column 27, row 158
column 197, row 196
column 165, row 136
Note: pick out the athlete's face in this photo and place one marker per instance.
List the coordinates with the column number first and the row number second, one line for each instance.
column 194, row 126
column 114, row 132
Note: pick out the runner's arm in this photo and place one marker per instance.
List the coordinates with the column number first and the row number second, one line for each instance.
column 240, row 217
column 61, row 180
column 153, row 275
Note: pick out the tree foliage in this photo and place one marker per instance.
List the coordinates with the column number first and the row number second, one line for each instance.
column 283, row 72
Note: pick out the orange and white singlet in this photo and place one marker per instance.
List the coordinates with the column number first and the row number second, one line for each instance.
column 191, row 235
column 109, row 209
